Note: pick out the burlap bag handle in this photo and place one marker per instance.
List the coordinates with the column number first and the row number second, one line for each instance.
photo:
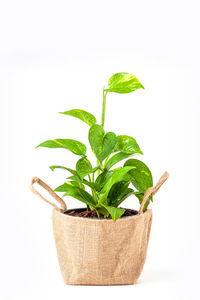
column 153, row 191
column 50, row 191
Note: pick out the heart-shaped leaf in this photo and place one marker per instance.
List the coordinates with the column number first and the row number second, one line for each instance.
column 115, row 212
column 102, row 144
column 77, row 193
column 74, row 146
column 115, row 159
column 83, row 167
column 127, row 144
column 123, row 83
column 141, row 176
column 116, row 176
column 103, row 178
column 117, row 191
column 83, row 115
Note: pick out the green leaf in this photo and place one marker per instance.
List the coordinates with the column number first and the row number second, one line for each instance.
column 83, row 115
column 116, row 176
column 83, row 167
column 115, row 159
column 76, row 147
column 141, row 176
column 128, row 193
column 76, row 184
column 140, row 196
column 67, row 185
column 117, row 191
column 75, row 178
column 102, row 144
column 123, row 83
column 63, row 188
column 64, row 168
column 103, row 178
column 81, row 195
column 92, row 185
column 127, row 144
column 95, row 169
column 115, row 212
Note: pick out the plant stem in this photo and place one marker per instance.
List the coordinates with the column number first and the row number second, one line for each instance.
column 106, row 160
column 103, row 108
column 93, row 194
column 98, row 171
column 89, row 178
column 103, row 116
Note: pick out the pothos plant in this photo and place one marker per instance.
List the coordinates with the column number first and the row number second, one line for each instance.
column 109, row 185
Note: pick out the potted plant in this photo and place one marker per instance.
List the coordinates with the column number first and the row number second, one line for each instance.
column 103, row 243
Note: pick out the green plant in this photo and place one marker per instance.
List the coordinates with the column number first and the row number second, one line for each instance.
column 109, row 186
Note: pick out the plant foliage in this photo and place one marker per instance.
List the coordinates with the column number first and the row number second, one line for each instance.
column 109, row 186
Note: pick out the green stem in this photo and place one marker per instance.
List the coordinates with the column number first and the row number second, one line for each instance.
column 93, row 177
column 103, row 108
column 89, row 178
column 98, row 171
column 106, row 160
column 93, row 194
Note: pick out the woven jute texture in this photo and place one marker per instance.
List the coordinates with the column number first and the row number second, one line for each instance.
column 101, row 252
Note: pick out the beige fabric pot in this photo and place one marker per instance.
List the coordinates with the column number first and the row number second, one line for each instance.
column 101, row 252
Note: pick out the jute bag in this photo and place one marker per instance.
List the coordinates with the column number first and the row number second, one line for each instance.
column 99, row 251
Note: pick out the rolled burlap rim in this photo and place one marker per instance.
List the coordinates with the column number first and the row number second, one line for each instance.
column 150, row 191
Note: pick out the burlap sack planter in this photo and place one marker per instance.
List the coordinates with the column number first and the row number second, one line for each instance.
column 100, row 251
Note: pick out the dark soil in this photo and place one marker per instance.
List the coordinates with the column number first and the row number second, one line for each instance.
column 84, row 213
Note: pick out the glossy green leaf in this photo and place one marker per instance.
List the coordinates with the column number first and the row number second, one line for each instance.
column 128, row 193
column 103, row 178
column 101, row 210
column 123, row 83
column 95, row 169
column 75, row 178
column 81, row 195
column 76, row 184
column 116, row 176
column 141, row 176
column 115, row 159
column 117, row 191
column 64, row 187
column 83, row 167
column 127, row 144
column 140, row 196
column 92, row 185
column 115, row 212
column 76, row 147
column 83, row 115
column 63, row 168
column 102, row 144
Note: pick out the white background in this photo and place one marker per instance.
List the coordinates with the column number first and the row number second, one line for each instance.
column 58, row 55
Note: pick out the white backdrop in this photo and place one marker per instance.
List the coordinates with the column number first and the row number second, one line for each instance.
column 58, row 55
